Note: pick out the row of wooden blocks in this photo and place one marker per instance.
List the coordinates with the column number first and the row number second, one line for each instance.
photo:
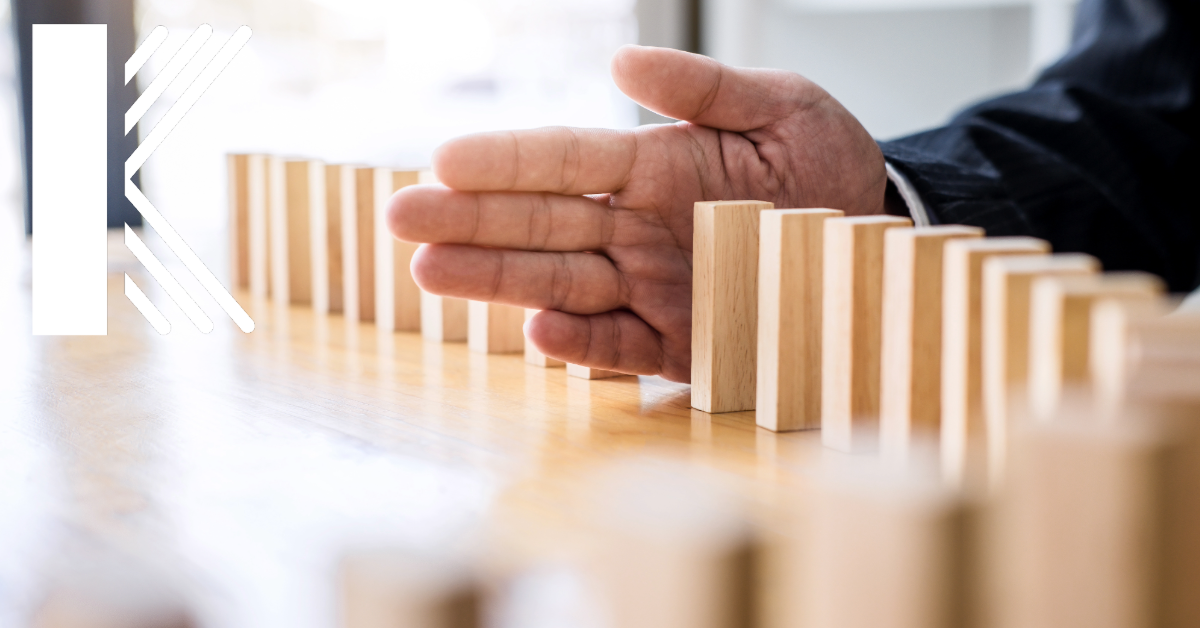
column 892, row 337
column 313, row 234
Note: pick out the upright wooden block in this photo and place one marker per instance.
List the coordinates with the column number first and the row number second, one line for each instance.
column 389, row 588
column 1138, row 350
column 1007, row 281
column 443, row 319
column 911, row 342
column 347, row 204
column 495, row 328
column 277, row 223
column 532, row 355
column 365, row 191
column 963, row 434
column 1059, row 331
column 335, row 277
column 586, row 372
column 397, row 297
column 258, row 199
column 790, row 267
column 851, row 323
column 239, row 220
column 725, row 304
column 306, row 261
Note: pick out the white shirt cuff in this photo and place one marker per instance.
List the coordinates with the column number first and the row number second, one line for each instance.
column 916, row 208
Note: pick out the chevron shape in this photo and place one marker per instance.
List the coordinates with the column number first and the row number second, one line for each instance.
column 190, row 53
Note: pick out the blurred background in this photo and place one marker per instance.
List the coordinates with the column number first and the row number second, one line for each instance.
column 385, row 81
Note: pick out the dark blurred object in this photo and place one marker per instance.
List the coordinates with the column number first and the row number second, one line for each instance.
column 102, row 589
column 118, row 14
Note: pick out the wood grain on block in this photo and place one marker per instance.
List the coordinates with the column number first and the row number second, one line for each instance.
column 886, row 553
column 277, row 211
column 532, row 355
column 388, row 588
column 239, row 220
column 1059, row 331
column 851, row 323
column 791, row 254
column 495, row 328
column 335, row 279
column 587, row 372
column 725, row 304
column 258, row 200
column 963, row 440
column 307, row 245
column 911, row 338
column 1004, row 318
column 443, row 319
column 1103, row 519
column 365, row 191
column 347, row 205
column 397, row 297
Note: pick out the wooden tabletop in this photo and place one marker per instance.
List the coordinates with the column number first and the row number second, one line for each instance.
column 244, row 464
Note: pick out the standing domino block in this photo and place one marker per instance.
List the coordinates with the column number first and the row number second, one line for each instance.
column 1005, row 321
column 963, row 434
column 443, row 319
column 239, row 220
column 306, row 262
column 791, row 256
column 397, row 298
column 586, row 372
column 911, row 341
column 495, row 328
column 851, row 323
column 725, row 304
column 347, row 217
column 532, row 355
column 335, row 259
column 258, row 227
column 1059, row 331
column 391, row 588
column 365, row 191
column 277, row 222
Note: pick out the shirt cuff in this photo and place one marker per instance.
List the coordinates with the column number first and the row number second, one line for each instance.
column 916, row 207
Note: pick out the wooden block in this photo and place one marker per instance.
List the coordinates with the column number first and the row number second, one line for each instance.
column 307, row 258
column 963, row 439
column 882, row 552
column 532, row 355
column 443, row 319
column 1059, row 331
column 258, row 227
column 335, row 277
column 397, row 297
column 1103, row 517
column 347, row 204
column 277, row 211
column 584, row 372
column 725, row 304
column 365, row 191
column 239, row 220
column 495, row 328
column 791, row 256
column 851, row 323
column 1137, row 351
column 1004, row 319
column 911, row 338
column 390, row 588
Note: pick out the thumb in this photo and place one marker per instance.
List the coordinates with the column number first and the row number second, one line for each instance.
column 695, row 88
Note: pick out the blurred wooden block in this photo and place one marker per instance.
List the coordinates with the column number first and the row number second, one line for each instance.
column 851, row 323
column 584, row 372
column 791, row 256
column 887, row 553
column 1059, row 331
column 532, row 355
column 397, row 297
column 1141, row 351
column 443, row 319
column 335, row 257
column 963, row 435
column 1007, row 281
column 389, row 589
column 239, row 220
column 277, row 223
column 306, row 258
column 725, row 305
column 911, row 339
column 258, row 227
column 495, row 328
column 347, row 217
column 366, row 190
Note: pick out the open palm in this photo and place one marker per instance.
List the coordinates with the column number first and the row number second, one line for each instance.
column 595, row 226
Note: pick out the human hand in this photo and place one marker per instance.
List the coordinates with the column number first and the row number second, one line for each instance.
column 612, row 270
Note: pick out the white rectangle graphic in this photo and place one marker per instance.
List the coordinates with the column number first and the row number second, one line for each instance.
column 70, row 179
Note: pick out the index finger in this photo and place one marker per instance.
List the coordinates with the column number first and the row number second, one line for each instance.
column 554, row 159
